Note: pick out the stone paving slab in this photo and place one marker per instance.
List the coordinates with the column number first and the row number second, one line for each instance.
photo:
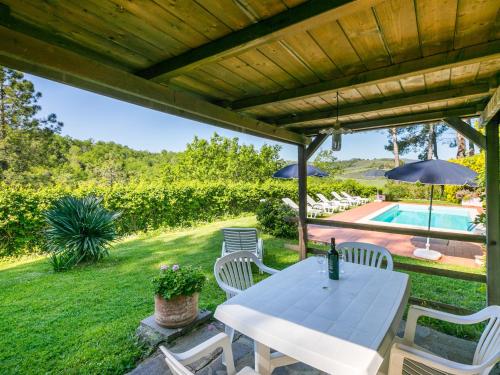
column 447, row 346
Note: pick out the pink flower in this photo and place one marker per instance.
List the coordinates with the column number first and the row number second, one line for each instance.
column 164, row 267
column 175, row 267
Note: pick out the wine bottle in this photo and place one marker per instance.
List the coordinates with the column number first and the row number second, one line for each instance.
column 333, row 261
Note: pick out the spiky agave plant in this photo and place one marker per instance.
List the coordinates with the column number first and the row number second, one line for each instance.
column 79, row 229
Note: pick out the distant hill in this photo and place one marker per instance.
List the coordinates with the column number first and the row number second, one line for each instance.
column 356, row 169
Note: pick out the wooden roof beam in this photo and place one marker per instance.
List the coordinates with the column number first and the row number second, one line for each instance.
column 315, row 145
column 460, row 57
column 467, row 92
column 492, row 108
column 467, row 131
column 312, row 12
column 19, row 51
column 396, row 121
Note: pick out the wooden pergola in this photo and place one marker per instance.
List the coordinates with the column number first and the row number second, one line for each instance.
column 288, row 70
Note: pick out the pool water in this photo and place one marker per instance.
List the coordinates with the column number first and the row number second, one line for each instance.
column 451, row 218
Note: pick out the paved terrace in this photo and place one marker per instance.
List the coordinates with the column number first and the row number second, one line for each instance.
column 454, row 252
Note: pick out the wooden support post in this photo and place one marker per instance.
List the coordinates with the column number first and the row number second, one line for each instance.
column 302, row 167
column 493, row 211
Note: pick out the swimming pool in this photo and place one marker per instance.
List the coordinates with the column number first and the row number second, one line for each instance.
column 412, row 215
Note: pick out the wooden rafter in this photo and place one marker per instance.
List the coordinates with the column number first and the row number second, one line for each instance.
column 30, row 55
column 312, row 12
column 492, row 108
column 404, row 120
column 464, row 56
column 315, row 145
column 467, row 131
column 468, row 92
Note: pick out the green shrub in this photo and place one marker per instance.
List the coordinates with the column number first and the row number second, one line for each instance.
column 148, row 206
column 79, row 230
column 178, row 281
column 272, row 217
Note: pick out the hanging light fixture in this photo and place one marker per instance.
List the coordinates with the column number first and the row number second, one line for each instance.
column 336, row 131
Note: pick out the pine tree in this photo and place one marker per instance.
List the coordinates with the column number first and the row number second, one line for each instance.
column 25, row 140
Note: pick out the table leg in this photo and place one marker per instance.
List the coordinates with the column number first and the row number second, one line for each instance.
column 262, row 358
column 230, row 332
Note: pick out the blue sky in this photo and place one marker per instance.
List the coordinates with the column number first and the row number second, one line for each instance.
column 88, row 115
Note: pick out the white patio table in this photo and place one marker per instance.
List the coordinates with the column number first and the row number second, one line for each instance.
column 342, row 327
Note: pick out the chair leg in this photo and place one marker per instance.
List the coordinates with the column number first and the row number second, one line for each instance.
column 230, row 332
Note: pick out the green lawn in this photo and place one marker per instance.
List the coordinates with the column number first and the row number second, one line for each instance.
column 83, row 321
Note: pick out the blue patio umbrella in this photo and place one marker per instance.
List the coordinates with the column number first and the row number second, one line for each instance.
column 432, row 172
column 292, row 171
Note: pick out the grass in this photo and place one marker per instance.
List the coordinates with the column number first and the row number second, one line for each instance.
column 83, row 321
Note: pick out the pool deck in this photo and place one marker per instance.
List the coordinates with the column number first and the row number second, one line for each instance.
column 454, row 252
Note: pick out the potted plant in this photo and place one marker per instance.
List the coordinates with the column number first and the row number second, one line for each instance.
column 176, row 291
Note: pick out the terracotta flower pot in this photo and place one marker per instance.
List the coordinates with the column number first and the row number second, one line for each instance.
column 176, row 312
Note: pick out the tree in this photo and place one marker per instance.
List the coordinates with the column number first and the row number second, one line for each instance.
column 327, row 162
column 460, row 143
column 422, row 139
column 223, row 158
column 393, row 144
column 26, row 141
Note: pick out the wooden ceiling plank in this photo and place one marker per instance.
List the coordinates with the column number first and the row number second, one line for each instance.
column 201, row 88
column 228, row 12
column 30, row 55
column 476, row 91
column 398, row 22
column 331, row 38
column 363, row 32
column 288, row 61
column 313, row 12
column 413, row 84
column 106, row 12
column 436, row 25
column 69, row 35
column 468, row 55
column 263, row 65
column 309, row 51
column 244, row 70
column 475, row 21
column 197, row 16
column 438, row 79
column 149, row 12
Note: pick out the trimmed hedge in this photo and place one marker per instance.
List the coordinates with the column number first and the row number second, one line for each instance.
column 147, row 207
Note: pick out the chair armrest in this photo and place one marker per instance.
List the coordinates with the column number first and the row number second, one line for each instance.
column 220, row 340
column 416, row 312
column 266, row 269
column 400, row 352
column 223, row 247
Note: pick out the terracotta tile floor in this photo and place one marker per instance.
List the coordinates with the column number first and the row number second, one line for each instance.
column 454, row 252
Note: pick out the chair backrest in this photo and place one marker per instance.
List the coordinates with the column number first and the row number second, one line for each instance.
column 366, row 254
column 290, row 203
column 346, row 195
column 240, row 239
column 322, row 198
column 176, row 368
column 337, row 196
column 489, row 343
column 235, row 270
column 310, row 200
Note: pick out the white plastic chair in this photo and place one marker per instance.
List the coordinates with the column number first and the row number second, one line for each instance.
column 326, row 208
column 242, row 239
column 408, row 358
column 342, row 199
column 311, row 212
column 366, row 254
column 333, row 202
column 233, row 272
column 355, row 197
column 176, row 361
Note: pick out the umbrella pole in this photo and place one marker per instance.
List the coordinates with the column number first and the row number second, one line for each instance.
column 427, row 245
